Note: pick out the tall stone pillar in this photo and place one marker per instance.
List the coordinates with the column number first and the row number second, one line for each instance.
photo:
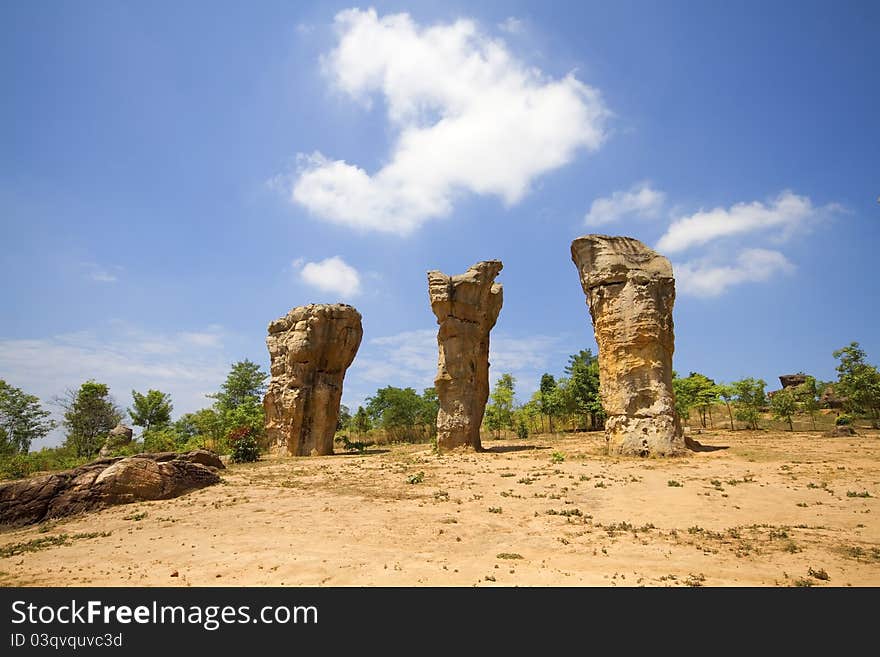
column 466, row 306
column 311, row 348
column 630, row 292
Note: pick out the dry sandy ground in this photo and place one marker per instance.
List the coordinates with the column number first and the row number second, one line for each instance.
column 776, row 509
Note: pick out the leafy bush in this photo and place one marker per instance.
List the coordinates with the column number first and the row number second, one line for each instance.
column 16, row 466
column 244, row 445
column 160, row 440
column 522, row 429
column 48, row 459
column 843, row 420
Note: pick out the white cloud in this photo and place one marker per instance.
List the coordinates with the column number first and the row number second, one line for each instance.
column 511, row 25
column 640, row 200
column 187, row 364
column 706, row 278
column 99, row 273
column 783, row 216
column 332, row 275
column 468, row 117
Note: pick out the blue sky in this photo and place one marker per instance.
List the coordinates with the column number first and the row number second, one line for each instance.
column 173, row 176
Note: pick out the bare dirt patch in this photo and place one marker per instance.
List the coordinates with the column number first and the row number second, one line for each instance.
column 776, row 509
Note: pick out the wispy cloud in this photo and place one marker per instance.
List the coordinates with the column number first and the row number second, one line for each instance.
column 468, row 115
column 511, row 25
column 743, row 230
column 100, row 273
column 707, row 278
column 778, row 219
column 640, row 200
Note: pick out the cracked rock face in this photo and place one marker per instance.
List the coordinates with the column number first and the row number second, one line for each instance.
column 310, row 348
column 467, row 307
column 105, row 482
column 630, row 292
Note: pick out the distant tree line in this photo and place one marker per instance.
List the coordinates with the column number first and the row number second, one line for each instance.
column 857, row 388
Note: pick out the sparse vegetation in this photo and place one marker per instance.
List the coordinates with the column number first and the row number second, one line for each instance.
column 43, row 543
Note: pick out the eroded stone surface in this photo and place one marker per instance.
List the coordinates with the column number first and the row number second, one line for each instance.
column 630, row 293
column 119, row 436
column 467, row 307
column 107, row 482
column 311, row 348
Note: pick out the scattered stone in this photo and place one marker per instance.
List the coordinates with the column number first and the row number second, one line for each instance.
column 106, row 482
column 467, row 307
column 311, row 348
column 630, row 293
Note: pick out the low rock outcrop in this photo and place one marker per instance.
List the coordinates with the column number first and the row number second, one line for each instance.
column 107, row 482
column 310, row 348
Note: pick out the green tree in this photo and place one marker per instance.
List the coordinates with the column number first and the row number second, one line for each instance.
column 22, row 420
column 150, row 411
column 583, row 388
column 547, row 399
column 429, row 410
column 245, row 384
column 727, row 393
column 89, row 415
column 499, row 410
column 808, row 395
column 783, row 405
column 749, row 400
column 361, row 421
column 239, row 403
column 684, row 398
column 162, row 439
column 343, row 423
column 400, row 412
column 202, row 428
column 696, row 391
column 858, row 381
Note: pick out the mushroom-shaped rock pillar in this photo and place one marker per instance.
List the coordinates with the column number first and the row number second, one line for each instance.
column 467, row 307
column 630, row 293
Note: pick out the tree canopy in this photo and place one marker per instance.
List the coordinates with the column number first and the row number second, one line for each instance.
column 22, row 419
column 89, row 415
column 150, row 411
column 858, row 381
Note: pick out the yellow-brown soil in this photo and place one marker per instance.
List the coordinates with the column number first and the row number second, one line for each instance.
column 776, row 509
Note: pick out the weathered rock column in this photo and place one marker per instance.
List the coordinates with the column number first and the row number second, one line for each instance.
column 311, row 348
column 630, row 292
column 466, row 306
